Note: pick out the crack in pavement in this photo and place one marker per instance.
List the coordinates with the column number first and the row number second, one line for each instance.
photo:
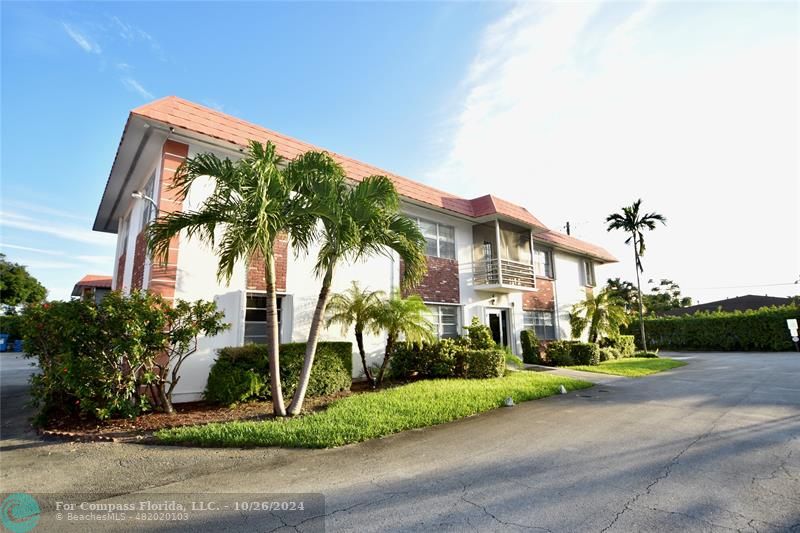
column 674, row 461
column 494, row 517
column 692, row 517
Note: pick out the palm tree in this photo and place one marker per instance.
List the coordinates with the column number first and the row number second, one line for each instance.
column 406, row 317
column 357, row 222
column 604, row 314
column 633, row 222
column 356, row 307
column 254, row 199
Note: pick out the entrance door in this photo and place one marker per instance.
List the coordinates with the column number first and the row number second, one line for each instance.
column 497, row 320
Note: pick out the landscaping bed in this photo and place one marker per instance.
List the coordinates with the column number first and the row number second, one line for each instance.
column 367, row 416
column 632, row 366
column 141, row 428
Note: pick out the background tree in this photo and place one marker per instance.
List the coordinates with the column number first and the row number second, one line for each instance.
column 603, row 314
column 356, row 307
column 406, row 317
column 625, row 292
column 18, row 286
column 632, row 221
column 357, row 222
column 254, row 200
column 664, row 296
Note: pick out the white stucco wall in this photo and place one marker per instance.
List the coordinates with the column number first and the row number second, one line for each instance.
column 569, row 288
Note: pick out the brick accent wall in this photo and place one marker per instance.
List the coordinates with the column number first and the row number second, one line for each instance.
column 137, row 280
column 164, row 276
column 542, row 299
column 256, row 273
column 120, row 272
column 440, row 283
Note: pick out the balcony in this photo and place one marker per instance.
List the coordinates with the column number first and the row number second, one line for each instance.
column 504, row 275
column 502, row 258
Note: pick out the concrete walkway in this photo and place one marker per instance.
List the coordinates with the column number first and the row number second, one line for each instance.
column 712, row 446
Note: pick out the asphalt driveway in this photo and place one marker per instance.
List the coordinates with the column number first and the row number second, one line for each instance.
column 714, row 445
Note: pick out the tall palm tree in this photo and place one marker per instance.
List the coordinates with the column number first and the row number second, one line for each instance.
column 402, row 317
column 630, row 220
column 357, row 222
column 356, row 307
column 604, row 314
column 254, row 199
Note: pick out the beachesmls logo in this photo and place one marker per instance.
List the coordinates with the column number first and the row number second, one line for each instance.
column 20, row 512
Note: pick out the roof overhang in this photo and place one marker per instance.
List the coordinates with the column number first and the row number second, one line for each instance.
column 140, row 145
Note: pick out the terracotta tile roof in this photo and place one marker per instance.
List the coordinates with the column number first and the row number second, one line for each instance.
column 186, row 115
column 92, row 280
column 570, row 243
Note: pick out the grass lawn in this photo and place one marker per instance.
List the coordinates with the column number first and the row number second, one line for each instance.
column 375, row 414
column 632, row 367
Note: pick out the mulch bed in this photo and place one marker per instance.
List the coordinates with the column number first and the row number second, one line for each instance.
column 141, row 429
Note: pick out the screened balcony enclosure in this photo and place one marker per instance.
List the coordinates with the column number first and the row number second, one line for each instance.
column 502, row 257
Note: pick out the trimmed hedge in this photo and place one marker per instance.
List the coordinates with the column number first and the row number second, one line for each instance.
column 530, row 347
column 625, row 344
column 609, row 353
column 242, row 373
column 446, row 359
column 559, row 353
column 568, row 353
column 482, row 364
column 762, row 330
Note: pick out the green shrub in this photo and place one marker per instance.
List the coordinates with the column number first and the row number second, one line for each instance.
column 242, row 373
column 625, row 344
column 429, row 360
column 648, row 354
column 479, row 335
column 530, row 347
column 512, row 361
column 481, row 364
column 761, row 330
column 11, row 324
column 609, row 353
column 585, row 353
column 559, row 353
column 96, row 360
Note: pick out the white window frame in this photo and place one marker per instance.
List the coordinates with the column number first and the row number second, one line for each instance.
column 537, row 323
column 589, row 278
column 436, row 313
column 548, row 261
column 419, row 220
column 249, row 294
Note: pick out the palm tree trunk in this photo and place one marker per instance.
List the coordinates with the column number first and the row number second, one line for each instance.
column 639, row 289
column 386, row 356
column 273, row 347
column 363, row 353
column 311, row 345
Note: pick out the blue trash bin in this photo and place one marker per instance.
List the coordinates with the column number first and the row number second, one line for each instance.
column 4, row 341
column 18, row 345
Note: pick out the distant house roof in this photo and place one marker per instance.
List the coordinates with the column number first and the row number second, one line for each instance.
column 738, row 303
column 91, row 280
column 196, row 119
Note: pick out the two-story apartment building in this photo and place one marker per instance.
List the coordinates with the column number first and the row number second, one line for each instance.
column 487, row 257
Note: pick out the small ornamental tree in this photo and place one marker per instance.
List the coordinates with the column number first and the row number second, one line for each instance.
column 185, row 322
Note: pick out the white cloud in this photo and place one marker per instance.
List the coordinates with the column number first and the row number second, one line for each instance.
column 96, row 259
column 135, row 86
column 81, row 39
column 30, row 249
column 23, row 222
column 574, row 109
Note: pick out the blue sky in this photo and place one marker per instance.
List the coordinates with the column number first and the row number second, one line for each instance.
column 569, row 109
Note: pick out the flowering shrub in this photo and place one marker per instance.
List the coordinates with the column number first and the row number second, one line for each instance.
column 99, row 360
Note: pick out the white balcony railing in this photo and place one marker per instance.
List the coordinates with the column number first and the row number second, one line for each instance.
column 504, row 272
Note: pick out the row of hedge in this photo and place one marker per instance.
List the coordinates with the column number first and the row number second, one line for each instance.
column 446, row 358
column 762, row 330
column 567, row 352
column 242, row 373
